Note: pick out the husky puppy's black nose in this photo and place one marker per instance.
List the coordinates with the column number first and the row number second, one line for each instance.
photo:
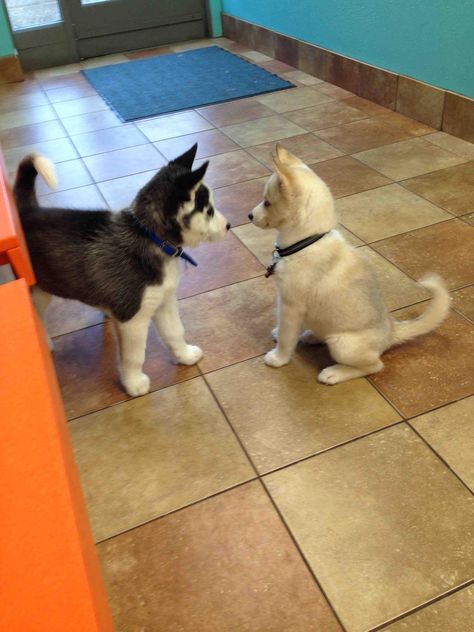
column 228, row 225
column 250, row 216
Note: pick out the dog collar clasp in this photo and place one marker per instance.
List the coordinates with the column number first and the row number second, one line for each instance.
column 275, row 259
column 167, row 248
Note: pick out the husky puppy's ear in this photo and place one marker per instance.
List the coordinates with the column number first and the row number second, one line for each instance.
column 191, row 181
column 186, row 160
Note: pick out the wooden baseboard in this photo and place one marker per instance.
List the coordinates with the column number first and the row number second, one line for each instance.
column 10, row 69
column 441, row 109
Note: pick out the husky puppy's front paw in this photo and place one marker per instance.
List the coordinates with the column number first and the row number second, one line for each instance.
column 274, row 359
column 190, row 355
column 136, row 385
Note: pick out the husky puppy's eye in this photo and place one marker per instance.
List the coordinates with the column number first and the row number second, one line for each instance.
column 266, row 203
column 210, row 212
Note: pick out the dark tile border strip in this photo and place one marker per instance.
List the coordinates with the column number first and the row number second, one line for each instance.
column 441, row 109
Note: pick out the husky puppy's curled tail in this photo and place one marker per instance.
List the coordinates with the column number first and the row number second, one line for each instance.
column 28, row 169
column 434, row 315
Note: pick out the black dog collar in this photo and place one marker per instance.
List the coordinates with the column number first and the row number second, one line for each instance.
column 278, row 253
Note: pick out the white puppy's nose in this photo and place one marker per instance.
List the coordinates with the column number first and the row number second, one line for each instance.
column 250, row 216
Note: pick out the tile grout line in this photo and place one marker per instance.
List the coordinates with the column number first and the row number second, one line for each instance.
column 273, row 503
column 302, row 555
column 175, row 511
column 436, row 453
column 426, row 604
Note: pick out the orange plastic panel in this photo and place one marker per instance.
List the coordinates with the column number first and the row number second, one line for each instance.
column 49, row 573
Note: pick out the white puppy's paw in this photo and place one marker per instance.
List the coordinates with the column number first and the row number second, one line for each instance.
column 136, row 385
column 275, row 334
column 308, row 338
column 274, row 359
column 332, row 375
column 190, row 355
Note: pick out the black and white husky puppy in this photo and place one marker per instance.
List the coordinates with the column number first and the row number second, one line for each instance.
column 125, row 263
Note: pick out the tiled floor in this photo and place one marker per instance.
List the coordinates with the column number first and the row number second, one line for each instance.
column 238, row 498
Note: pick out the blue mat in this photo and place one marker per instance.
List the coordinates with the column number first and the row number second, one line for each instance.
column 169, row 83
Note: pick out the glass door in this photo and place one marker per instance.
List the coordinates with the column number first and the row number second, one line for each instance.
column 110, row 26
column 41, row 32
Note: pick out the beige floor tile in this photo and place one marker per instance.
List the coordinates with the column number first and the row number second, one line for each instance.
column 346, row 176
column 83, row 198
column 237, row 200
column 124, row 162
column 463, row 302
column 409, row 158
column 56, row 71
column 231, row 324
column 469, row 219
column 173, row 125
column 57, row 150
column 106, row 140
column 71, row 174
column 231, row 168
column 293, row 99
column 282, row 415
column 139, row 460
column 120, row 192
column 19, row 118
column 334, row 91
column 86, row 366
column 382, row 522
column 255, row 56
column 75, row 107
column 220, row 263
column 326, row 115
column 301, row 77
column 31, row 134
column 450, row 431
column 306, row 147
column 458, row 146
column 362, row 135
column 210, row 143
column 398, row 289
column 63, row 316
column 451, row 188
column 369, row 107
column 260, row 242
column 432, row 370
column 223, row 565
column 22, row 101
column 234, row 112
column 91, row 122
column 414, row 128
column 386, row 211
column 262, row 130
column 431, row 249
column 451, row 614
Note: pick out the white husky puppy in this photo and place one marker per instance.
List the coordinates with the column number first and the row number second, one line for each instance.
column 326, row 286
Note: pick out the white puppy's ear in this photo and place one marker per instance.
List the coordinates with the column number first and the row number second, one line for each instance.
column 285, row 157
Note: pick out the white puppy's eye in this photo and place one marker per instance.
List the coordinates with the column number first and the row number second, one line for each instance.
column 266, row 203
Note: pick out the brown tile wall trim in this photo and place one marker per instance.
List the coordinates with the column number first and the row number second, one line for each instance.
column 10, row 69
column 436, row 107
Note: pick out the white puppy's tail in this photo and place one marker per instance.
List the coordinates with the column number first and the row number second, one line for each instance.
column 434, row 315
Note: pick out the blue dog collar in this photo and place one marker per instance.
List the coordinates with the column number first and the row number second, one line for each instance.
column 167, row 248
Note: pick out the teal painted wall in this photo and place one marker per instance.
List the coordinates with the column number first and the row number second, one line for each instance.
column 6, row 42
column 430, row 40
column 215, row 7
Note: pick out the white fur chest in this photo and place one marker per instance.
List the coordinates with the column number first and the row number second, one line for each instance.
column 155, row 295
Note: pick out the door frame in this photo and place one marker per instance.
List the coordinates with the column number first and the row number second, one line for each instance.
column 74, row 39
